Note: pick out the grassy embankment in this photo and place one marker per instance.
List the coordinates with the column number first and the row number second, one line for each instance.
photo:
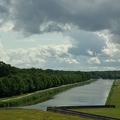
column 38, row 96
column 113, row 99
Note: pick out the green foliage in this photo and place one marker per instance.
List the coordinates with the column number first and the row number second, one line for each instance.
column 6, row 69
column 14, row 81
column 106, row 74
column 38, row 96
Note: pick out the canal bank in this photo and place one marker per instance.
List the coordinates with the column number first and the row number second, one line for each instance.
column 38, row 96
column 95, row 93
column 114, row 96
column 109, row 98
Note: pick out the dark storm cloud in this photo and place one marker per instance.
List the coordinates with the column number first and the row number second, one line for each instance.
column 29, row 15
column 90, row 15
column 4, row 11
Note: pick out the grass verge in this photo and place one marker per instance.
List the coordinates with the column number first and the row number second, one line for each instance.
column 21, row 114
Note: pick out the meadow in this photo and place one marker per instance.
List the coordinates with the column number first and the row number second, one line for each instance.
column 31, row 114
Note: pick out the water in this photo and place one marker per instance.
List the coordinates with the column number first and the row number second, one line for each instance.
column 91, row 94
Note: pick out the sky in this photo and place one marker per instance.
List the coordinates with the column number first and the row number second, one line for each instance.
column 82, row 35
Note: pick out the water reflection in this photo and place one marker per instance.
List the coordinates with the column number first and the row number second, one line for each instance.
column 91, row 94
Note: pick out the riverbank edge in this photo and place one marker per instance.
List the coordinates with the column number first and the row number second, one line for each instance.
column 39, row 96
column 108, row 101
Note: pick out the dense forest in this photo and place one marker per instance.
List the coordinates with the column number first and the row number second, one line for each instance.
column 16, row 81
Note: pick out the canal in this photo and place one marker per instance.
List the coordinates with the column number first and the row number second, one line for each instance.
column 95, row 93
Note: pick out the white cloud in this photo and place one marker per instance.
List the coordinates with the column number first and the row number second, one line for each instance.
column 111, row 50
column 69, row 60
column 40, row 55
column 6, row 27
column 25, row 58
column 90, row 52
column 110, row 60
column 94, row 60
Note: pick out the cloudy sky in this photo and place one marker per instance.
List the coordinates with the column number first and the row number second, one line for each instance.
column 60, row 34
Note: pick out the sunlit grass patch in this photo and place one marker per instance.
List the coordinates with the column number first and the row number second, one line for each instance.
column 109, row 112
column 21, row 114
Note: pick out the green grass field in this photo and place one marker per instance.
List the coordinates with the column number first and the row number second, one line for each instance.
column 23, row 114
column 113, row 100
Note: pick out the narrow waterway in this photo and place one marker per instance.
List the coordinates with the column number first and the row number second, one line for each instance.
column 95, row 93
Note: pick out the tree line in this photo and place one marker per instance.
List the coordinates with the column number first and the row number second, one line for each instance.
column 106, row 74
column 15, row 81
